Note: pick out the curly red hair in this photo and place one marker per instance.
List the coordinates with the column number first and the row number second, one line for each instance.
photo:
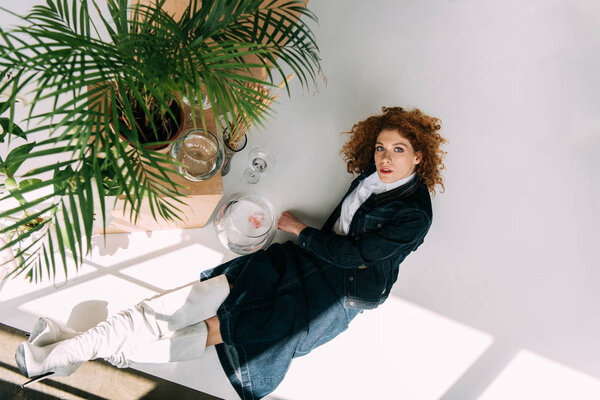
column 420, row 129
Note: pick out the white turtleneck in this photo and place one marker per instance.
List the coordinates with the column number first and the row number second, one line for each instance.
column 352, row 202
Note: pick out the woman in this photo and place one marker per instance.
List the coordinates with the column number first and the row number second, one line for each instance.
column 266, row 308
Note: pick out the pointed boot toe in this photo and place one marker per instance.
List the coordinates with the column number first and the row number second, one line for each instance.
column 54, row 359
column 20, row 359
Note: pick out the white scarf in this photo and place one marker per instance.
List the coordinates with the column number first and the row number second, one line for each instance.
column 352, row 202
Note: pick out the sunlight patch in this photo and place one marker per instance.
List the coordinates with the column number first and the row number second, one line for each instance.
column 531, row 376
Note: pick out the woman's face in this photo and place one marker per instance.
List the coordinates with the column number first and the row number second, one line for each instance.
column 395, row 157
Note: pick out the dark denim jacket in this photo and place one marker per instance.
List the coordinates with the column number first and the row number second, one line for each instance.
column 383, row 231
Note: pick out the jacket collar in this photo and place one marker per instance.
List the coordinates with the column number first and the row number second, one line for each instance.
column 401, row 191
column 379, row 199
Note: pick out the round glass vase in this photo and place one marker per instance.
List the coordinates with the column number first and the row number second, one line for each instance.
column 200, row 154
column 245, row 223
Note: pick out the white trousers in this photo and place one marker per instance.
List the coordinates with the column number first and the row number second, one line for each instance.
column 169, row 327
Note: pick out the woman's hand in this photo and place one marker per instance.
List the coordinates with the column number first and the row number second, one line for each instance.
column 289, row 223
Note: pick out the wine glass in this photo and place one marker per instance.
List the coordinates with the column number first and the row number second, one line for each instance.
column 259, row 160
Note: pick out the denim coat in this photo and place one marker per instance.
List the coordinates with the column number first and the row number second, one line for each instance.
column 290, row 298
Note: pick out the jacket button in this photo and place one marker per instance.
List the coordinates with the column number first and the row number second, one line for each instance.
column 362, row 266
column 379, row 225
column 351, row 303
column 351, row 278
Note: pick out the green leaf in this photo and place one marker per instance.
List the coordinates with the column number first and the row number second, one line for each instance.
column 24, row 184
column 73, row 208
column 46, row 168
column 13, row 188
column 51, row 252
column 29, row 222
column 62, row 178
column 24, row 207
column 60, row 230
column 67, row 230
column 16, row 157
column 10, row 128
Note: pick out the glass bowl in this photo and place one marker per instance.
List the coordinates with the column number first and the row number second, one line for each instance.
column 245, row 223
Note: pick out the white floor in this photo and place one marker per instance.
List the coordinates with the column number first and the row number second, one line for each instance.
column 501, row 300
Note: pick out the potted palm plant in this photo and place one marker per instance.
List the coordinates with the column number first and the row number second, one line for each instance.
column 105, row 85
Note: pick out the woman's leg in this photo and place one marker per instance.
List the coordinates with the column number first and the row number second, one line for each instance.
column 165, row 328
column 185, row 344
column 177, row 322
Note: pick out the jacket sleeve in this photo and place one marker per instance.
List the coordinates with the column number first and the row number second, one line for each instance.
column 399, row 236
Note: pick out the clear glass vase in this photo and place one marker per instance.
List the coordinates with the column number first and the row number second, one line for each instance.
column 200, row 153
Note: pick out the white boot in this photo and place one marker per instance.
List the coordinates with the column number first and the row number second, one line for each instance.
column 146, row 332
column 178, row 317
column 184, row 344
column 120, row 332
column 47, row 331
column 189, row 304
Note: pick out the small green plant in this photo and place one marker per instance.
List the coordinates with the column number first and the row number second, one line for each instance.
column 7, row 125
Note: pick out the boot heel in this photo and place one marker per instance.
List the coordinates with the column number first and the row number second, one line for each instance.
column 37, row 379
